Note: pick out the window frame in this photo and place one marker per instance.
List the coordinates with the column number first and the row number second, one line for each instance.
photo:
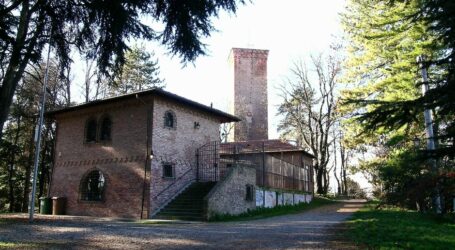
column 174, row 120
column 100, row 130
column 172, row 166
column 250, row 192
column 83, row 193
column 95, row 129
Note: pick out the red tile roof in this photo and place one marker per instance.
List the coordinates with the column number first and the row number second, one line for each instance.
column 269, row 146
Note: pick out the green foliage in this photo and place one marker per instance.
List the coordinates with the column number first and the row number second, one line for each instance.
column 97, row 29
column 381, row 66
column 385, row 39
column 139, row 72
column 354, row 189
column 17, row 144
column 407, row 180
column 393, row 228
column 261, row 212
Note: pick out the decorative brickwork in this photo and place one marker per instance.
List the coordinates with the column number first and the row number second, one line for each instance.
column 132, row 180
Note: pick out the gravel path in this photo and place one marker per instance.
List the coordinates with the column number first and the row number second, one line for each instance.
column 314, row 229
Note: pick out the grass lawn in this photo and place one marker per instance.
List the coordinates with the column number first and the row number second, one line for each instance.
column 392, row 228
column 260, row 213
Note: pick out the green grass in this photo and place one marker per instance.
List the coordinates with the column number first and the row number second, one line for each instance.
column 260, row 213
column 392, row 228
column 7, row 244
column 15, row 245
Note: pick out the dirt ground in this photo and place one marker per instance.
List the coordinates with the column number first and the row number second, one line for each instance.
column 315, row 229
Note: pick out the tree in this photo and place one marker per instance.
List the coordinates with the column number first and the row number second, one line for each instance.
column 354, row 189
column 308, row 111
column 385, row 38
column 139, row 72
column 99, row 29
column 17, row 146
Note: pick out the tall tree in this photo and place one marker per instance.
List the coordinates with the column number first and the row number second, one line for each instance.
column 17, row 146
column 100, row 28
column 385, row 37
column 140, row 71
column 308, row 108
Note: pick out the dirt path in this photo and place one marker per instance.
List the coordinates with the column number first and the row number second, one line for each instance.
column 315, row 229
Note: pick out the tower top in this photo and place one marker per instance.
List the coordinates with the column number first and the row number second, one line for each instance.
column 248, row 53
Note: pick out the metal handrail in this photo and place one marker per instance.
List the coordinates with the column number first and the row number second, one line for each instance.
column 173, row 183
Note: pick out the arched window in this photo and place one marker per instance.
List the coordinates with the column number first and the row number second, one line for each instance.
column 90, row 130
column 92, row 186
column 169, row 119
column 105, row 129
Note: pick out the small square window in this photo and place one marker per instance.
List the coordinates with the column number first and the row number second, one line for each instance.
column 168, row 170
column 250, row 193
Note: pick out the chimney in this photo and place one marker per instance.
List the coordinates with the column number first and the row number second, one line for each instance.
column 250, row 93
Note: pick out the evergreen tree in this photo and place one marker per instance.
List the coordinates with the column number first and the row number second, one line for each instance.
column 99, row 29
column 386, row 37
column 139, row 72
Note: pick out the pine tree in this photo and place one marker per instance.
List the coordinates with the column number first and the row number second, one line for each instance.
column 99, row 29
column 140, row 72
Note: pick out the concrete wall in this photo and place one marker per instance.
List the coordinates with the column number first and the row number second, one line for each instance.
column 275, row 198
column 177, row 146
column 229, row 196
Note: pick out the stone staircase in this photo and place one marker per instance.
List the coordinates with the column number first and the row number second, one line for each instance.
column 189, row 205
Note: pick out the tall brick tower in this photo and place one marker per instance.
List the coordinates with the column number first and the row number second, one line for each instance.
column 250, row 93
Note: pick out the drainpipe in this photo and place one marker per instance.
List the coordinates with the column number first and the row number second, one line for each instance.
column 149, row 150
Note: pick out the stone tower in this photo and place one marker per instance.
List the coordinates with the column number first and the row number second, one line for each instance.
column 250, row 93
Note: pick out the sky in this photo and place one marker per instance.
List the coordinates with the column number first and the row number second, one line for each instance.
column 289, row 29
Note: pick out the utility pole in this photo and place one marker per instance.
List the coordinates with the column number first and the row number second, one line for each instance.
column 428, row 115
column 39, row 127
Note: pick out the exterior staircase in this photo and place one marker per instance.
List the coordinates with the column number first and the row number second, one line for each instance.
column 189, row 205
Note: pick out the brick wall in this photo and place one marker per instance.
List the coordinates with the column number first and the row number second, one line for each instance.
column 177, row 146
column 123, row 160
column 250, row 93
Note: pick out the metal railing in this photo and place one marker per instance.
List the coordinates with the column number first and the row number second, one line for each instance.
column 176, row 181
column 272, row 169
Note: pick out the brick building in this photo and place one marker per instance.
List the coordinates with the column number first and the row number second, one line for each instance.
column 156, row 154
column 103, row 151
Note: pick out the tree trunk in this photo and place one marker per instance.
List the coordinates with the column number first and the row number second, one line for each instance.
column 28, row 171
column 319, row 182
column 326, row 181
column 12, row 200
column 338, row 181
column 16, row 66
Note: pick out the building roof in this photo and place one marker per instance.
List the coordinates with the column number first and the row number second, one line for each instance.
column 256, row 146
column 224, row 117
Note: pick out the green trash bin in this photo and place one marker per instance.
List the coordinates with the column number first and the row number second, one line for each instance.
column 45, row 205
column 58, row 205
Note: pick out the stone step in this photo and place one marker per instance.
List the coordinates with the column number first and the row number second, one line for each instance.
column 189, row 218
column 183, row 209
column 189, row 205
